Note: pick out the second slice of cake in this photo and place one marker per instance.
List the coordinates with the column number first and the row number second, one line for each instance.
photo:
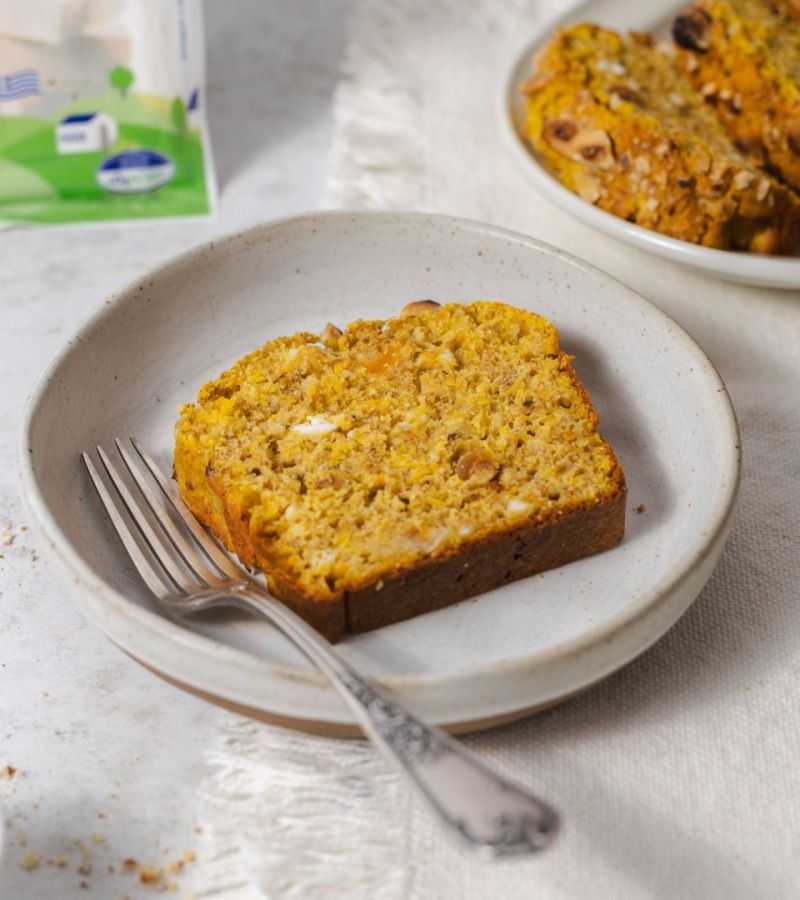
column 743, row 56
column 617, row 121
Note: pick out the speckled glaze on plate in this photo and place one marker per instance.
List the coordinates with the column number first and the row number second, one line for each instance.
column 529, row 644
column 622, row 15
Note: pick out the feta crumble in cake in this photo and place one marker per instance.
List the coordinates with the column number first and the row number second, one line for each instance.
column 617, row 121
column 402, row 465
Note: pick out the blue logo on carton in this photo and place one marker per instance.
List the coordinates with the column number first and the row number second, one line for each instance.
column 135, row 172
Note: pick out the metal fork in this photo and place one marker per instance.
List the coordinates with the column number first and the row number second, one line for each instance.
column 188, row 572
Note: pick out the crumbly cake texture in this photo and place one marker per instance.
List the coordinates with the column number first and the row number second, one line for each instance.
column 616, row 121
column 401, row 465
column 743, row 56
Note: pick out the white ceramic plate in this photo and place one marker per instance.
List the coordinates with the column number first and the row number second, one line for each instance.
column 533, row 642
column 622, row 15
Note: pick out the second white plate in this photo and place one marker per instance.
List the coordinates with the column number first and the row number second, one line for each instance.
column 530, row 643
column 622, row 15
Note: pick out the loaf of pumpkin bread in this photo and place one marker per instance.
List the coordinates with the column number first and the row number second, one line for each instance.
column 401, row 465
column 743, row 56
column 617, row 121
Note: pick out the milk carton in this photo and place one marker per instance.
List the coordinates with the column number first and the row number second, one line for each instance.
column 102, row 111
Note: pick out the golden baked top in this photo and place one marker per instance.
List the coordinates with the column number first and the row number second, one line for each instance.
column 359, row 453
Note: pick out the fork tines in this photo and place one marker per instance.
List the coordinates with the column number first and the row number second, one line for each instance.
column 169, row 548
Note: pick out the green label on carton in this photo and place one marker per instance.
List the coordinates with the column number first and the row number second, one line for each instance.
column 84, row 135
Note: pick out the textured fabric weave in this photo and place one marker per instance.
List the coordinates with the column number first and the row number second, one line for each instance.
column 678, row 777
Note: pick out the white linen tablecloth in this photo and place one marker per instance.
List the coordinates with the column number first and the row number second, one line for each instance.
column 678, row 777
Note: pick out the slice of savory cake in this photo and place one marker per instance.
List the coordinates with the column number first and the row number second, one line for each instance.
column 743, row 56
column 616, row 121
column 401, row 466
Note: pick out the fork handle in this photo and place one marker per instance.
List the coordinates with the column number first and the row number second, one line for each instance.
column 487, row 812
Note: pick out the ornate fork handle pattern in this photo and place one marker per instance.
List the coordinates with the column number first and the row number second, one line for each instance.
column 489, row 813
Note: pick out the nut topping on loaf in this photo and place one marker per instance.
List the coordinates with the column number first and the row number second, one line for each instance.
column 418, row 306
column 438, row 455
column 691, row 30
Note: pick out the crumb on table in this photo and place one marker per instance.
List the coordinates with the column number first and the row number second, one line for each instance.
column 30, row 861
column 150, row 874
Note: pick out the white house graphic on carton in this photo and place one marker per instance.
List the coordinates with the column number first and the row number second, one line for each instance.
column 86, row 133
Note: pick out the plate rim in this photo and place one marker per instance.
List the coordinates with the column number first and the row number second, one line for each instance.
column 778, row 272
column 79, row 572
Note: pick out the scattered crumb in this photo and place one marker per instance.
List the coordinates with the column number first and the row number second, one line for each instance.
column 154, row 876
column 7, row 536
column 150, row 874
column 23, row 527
column 85, row 865
column 45, row 694
column 102, row 815
column 33, row 555
column 641, row 508
column 8, row 772
column 197, row 829
column 30, row 861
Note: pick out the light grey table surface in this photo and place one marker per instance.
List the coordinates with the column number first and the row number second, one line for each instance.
column 100, row 746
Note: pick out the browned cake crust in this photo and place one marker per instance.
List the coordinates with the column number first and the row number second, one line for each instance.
column 482, row 566
column 488, row 564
